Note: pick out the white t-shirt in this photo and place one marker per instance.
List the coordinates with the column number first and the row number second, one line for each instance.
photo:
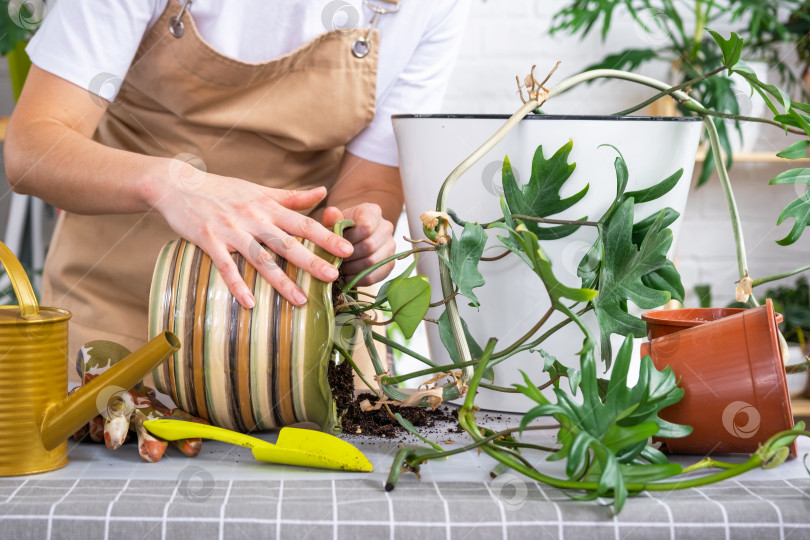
column 81, row 39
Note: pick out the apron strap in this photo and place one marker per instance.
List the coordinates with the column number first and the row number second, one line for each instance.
column 176, row 22
column 362, row 46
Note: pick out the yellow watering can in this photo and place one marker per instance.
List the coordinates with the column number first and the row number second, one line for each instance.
column 35, row 416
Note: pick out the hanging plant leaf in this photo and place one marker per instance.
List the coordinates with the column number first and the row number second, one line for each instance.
column 667, row 278
column 799, row 209
column 541, row 265
column 731, row 47
column 540, row 197
column 620, row 277
column 465, row 253
column 446, row 335
column 797, row 150
column 409, row 299
column 658, row 190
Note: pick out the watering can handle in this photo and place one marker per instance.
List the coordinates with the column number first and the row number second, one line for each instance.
column 19, row 280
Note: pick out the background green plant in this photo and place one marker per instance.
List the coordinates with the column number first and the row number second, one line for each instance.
column 765, row 25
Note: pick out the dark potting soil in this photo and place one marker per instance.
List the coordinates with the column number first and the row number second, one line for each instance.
column 377, row 423
column 380, row 424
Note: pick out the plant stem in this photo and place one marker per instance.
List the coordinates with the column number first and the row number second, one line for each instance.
column 422, row 372
column 734, row 214
column 511, row 348
column 451, row 308
column 403, row 349
column 499, row 357
column 670, row 91
column 392, row 393
column 348, row 357
column 762, row 281
column 507, row 390
column 370, row 269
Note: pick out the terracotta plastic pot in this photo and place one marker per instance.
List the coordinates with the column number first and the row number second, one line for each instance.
column 731, row 370
column 668, row 321
column 243, row 369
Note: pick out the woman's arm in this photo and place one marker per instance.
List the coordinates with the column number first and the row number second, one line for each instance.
column 49, row 153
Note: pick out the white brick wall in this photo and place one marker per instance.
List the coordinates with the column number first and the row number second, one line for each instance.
column 505, row 37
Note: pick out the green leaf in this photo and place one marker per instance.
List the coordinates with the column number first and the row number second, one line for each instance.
column 641, row 228
column 555, row 368
column 618, row 437
column 409, row 299
column 541, row 265
column 540, row 197
column 797, row 150
column 667, row 278
column 465, row 253
column 798, row 209
column 620, row 279
column 642, row 474
column 731, row 47
column 382, row 294
column 658, row 190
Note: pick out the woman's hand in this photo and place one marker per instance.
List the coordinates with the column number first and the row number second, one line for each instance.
column 224, row 215
column 372, row 237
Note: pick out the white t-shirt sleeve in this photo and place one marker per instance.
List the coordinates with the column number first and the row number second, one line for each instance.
column 92, row 44
column 420, row 86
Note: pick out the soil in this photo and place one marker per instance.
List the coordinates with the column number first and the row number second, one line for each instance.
column 378, row 423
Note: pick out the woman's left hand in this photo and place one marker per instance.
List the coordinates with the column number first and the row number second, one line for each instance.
column 372, row 237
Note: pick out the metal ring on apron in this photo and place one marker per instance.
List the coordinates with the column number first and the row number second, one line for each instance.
column 176, row 23
column 362, row 46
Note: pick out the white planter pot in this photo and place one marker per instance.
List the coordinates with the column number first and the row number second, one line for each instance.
column 513, row 299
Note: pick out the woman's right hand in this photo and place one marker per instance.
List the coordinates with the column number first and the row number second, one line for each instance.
column 223, row 215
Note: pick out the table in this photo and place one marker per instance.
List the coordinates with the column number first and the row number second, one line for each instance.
column 224, row 493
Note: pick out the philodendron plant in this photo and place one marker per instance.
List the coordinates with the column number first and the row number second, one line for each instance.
column 604, row 427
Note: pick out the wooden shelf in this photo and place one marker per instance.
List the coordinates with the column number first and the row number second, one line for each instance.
column 756, row 157
column 801, row 408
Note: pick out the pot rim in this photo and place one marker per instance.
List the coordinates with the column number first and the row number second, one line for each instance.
column 549, row 117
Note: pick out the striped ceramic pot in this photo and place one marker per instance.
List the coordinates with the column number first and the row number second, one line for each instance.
column 243, row 369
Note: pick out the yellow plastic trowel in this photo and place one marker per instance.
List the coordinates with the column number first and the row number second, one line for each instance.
column 302, row 447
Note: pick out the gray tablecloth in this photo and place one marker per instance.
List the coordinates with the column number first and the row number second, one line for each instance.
column 224, row 493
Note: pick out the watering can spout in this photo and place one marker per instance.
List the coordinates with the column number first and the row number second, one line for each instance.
column 64, row 418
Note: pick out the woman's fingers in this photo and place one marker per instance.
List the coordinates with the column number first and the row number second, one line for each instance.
column 306, row 227
column 299, row 200
column 266, row 265
column 223, row 262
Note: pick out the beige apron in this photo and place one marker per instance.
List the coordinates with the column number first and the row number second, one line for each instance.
column 282, row 124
